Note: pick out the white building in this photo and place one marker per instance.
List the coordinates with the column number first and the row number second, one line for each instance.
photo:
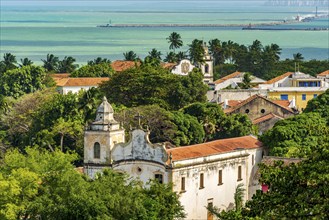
column 66, row 84
column 202, row 174
column 207, row 68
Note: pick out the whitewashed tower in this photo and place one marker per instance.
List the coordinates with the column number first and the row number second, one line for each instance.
column 207, row 67
column 99, row 138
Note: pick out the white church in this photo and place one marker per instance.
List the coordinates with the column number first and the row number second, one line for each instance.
column 203, row 174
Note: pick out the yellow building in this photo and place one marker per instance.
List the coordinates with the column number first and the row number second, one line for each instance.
column 296, row 87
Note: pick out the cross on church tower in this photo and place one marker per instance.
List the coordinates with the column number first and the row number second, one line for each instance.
column 139, row 117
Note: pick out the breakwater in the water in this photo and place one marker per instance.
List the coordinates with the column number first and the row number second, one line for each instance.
column 197, row 25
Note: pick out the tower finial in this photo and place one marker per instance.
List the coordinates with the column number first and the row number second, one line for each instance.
column 104, row 99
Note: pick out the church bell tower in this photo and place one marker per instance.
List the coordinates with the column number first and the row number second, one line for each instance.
column 99, row 138
column 207, row 67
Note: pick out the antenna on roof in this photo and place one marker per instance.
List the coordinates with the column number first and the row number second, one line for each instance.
column 295, row 66
column 298, row 67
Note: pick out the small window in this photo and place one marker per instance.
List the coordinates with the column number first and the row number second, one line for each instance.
column 262, row 111
column 246, row 111
column 284, row 97
column 206, row 68
column 239, row 173
column 182, row 184
column 303, row 97
column 201, row 181
column 315, row 95
column 252, row 160
column 220, row 177
column 159, row 178
column 97, row 150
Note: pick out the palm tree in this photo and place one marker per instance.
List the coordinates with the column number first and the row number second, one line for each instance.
column 298, row 57
column 25, row 62
column 67, row 65
column 175, row 41
column 130, row 56
column 171, row 57
column 196, row 52
column 154, row 53
column 181, row 55
column 98, row 60
column 229, row 49
column 215, row 48
column 9, row 61
column 51, row 63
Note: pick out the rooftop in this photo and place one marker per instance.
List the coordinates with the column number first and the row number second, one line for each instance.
column 214, row 147
column 278, row 78
column 325, row 73
column 232, row 75
column 122, row 65
column 265, row 118
column 82, row 81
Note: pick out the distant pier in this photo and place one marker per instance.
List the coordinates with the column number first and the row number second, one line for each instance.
column 195, row 25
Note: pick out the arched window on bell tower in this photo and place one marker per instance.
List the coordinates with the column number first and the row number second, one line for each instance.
column 206, row 69
column 97, row 150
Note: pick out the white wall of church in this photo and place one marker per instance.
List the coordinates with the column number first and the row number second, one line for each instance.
column 142, row 170
column 195, row 197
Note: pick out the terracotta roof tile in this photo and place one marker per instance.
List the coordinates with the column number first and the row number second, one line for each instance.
column 265, row 118
column 122, row 65
column 284, row 103
column 214, row 147
column 325, row 73
column 168, row 65
column 60, row 75
column 271, row 81
column 82, row 81
column 232, row 75
column 252, row 98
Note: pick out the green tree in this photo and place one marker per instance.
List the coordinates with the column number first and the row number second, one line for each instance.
column 25, row 62
column 210, row 115
column 236, row 125
column 27, row 79
column 319, row 104
column 50, row 63
column 175, row 41
column 181, row 56
column 96, row 70
column 171, row 57
column 215, row 49
column 296, row 191
column 297, row 57
column 9, row 62
column 196, row 52
column 67, row 65
column 296, row 136
column 246, row 81
column 144, row 86
column 98, row 60
column 130, row 56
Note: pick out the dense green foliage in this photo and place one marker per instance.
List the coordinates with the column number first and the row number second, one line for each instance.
column 27, row 79
column 146, row 86
column 45, row 185
column 97, row 70
column 297, row 191
column 297, row 136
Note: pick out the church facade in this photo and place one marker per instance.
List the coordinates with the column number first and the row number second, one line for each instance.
column 203, row 174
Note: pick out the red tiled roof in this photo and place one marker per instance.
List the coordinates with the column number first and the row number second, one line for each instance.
column 252, row 98
column 271, row 81
column 168, row 65
column 122, row 65
column 214, row 147
column 232, row 75
column 284, row 103
column 82, row 81
column 60, row 75
column 265, row 118
column 325, row 73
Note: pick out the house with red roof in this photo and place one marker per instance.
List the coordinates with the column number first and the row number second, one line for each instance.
column 262, row 111
column 66, row 84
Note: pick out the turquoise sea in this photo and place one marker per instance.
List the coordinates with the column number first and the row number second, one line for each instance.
column 68, row 28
